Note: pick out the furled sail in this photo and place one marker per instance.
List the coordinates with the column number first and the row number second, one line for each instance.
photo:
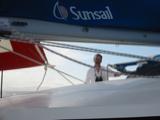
column 107, row 13
column 105, row 21
column 145, row 67
column 15, row 55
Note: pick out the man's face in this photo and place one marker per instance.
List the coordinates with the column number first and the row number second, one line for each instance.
column 98, row 59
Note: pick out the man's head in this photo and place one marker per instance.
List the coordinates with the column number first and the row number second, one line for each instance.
column 98, row 58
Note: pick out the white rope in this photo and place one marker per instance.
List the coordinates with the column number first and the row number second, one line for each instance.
column 46, row 65
column 65, row 78
column 42, row 79
column 27, row 58
column 87, row 49
column 66, row 57
column 69, row 75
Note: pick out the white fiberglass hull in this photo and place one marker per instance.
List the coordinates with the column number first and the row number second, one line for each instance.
column 131, row 98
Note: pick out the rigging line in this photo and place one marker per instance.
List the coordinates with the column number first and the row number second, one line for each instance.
column 31, row 41
column 66, row 57
column 75, row 47
column 55, row 68
column 49, row 42
column 64, row 77
column 52, row 67
column 128, row 73
column 28, row 58
column 35, row 61
column 124, row 73
column 71, row 59
column 69, row 75
column 42, row 79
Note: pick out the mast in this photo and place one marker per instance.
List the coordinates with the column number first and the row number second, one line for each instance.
column 1, row 83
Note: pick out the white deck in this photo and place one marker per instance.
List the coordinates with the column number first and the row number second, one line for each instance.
column 136, row 97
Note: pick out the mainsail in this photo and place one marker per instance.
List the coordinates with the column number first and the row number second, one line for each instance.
column 15, row 55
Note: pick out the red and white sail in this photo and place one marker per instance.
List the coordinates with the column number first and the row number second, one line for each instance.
column 15, row 55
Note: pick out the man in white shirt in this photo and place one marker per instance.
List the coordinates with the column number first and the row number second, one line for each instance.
column 99, row 73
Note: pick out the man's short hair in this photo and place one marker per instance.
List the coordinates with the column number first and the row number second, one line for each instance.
column 97, row 55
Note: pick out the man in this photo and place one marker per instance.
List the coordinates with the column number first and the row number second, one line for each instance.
column 99, row 73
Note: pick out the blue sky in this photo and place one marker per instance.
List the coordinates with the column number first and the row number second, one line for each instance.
column 30, row 78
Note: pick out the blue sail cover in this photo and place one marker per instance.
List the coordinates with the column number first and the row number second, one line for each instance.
column 145, row 67
column 125, row 14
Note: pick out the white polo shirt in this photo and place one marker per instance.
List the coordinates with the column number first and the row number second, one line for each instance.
column 92, row 73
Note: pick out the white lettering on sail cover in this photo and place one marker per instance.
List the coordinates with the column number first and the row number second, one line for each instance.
column 61, row 13
column 91, row 15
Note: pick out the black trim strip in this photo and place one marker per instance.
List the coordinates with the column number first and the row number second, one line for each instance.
column 125, row 118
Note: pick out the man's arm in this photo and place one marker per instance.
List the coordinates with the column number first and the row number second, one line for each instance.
column 112, row 73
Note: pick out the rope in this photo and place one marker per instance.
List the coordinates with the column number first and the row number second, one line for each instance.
column 86, row 49
column 42, row 79
column 28, row 58
column 69, row 75
column 66, row 57
column 71, row 59
column 65, row 78
column 37, row 62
